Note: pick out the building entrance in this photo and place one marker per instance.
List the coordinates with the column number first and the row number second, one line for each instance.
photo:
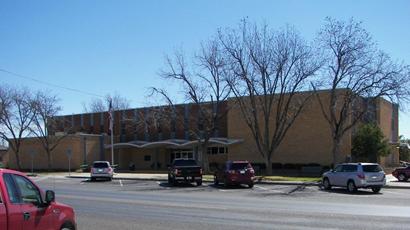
column 182, row 154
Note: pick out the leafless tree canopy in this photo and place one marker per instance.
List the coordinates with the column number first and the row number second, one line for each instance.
column 203, row 83
column 266, row 71
column 101, row 105
column 46, row 109
column 354, row 62
column 16, row 117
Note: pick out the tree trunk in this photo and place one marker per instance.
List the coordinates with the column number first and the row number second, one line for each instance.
column 268, row 164
column 18, row 163
column 335, row 150
column 204, row 158
column 49, row 160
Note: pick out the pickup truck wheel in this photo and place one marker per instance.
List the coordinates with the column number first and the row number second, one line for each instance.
column 216, row 182
column 376, row 189
column 199, row 183
column 402, row 177
column 351, row 187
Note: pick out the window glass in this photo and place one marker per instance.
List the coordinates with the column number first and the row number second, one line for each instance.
column 185, row 163
column 372, row 168
column 221, row 150
column 11, row 189
column 100, row 165
column 147, row 158
column 240, row 166
column 28, row 191
column 214, row 150
column 338, row 168
column 349, row 168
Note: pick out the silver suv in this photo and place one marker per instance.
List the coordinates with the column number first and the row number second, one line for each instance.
column 354, row 176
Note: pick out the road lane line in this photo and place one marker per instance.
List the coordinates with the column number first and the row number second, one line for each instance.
column 41, row 178
column 259, row 187
column 121, row 182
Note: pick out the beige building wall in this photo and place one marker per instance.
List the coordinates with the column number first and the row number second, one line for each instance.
column 59, row 156
column 307, row 141
column 387, row 119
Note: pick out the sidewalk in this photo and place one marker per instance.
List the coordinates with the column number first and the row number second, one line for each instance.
column 392, row 182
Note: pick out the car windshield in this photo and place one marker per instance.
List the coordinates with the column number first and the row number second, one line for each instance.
column 185, row 163
column 236, row 166
column 100, row 165
column 372, row 168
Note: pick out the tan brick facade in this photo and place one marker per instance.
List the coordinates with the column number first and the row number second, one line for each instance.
column 307, row 141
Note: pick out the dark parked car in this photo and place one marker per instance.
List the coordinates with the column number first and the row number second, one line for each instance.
column 402, row 174
column 183, row 170
column 235, row 173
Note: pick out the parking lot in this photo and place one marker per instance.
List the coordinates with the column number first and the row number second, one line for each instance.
column 138, row 204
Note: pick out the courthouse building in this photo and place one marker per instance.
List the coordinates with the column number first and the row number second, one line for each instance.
column 150, row 145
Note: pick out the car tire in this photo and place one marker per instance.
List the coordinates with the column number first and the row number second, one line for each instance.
column 402, row 177
column 92, row 178
column 199, row 183
column 326, row 184
column 376, row 189
column 250, row 185
column 109, row 178
column 67, row 226
column 351, row 187
column 226, row 183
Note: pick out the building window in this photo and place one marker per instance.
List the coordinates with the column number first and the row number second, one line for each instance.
column 147, row 158
column 217, row 150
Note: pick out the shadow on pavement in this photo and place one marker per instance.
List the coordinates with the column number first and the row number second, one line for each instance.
column 359, row 192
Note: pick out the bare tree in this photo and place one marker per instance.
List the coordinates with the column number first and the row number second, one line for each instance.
column 356, row 72
column 16, row 117
column 45, row 122
column 205, row 88
column 102, row 104
column 267, row 69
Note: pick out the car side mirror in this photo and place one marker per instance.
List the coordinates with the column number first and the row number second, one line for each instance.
column 50, row 196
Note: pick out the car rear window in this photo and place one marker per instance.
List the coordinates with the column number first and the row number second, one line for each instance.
column 372, row 168
column 185, row 163
column 236, row 166
column 100, row 165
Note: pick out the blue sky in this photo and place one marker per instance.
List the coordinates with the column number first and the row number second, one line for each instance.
column 119, row 46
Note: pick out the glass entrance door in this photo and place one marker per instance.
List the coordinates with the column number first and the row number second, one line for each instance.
column 182, row 154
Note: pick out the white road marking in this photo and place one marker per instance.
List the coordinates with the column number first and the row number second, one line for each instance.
column 259, row 187
column 158, row 182
column 121, row 183
column 41, row 178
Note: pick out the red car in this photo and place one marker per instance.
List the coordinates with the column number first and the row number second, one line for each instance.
column 402, row 174
column 23, row 205
column 235, row 173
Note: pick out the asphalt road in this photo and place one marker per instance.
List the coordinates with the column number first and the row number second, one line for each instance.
column 155, row 205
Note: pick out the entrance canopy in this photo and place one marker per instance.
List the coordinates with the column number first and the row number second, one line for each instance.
column 174, row 143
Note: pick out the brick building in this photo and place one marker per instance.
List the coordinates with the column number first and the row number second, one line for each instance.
column 151, row 144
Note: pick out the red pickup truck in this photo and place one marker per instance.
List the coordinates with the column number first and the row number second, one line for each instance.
column 23, row 205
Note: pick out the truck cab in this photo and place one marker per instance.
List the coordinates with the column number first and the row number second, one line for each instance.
column 23, row 205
